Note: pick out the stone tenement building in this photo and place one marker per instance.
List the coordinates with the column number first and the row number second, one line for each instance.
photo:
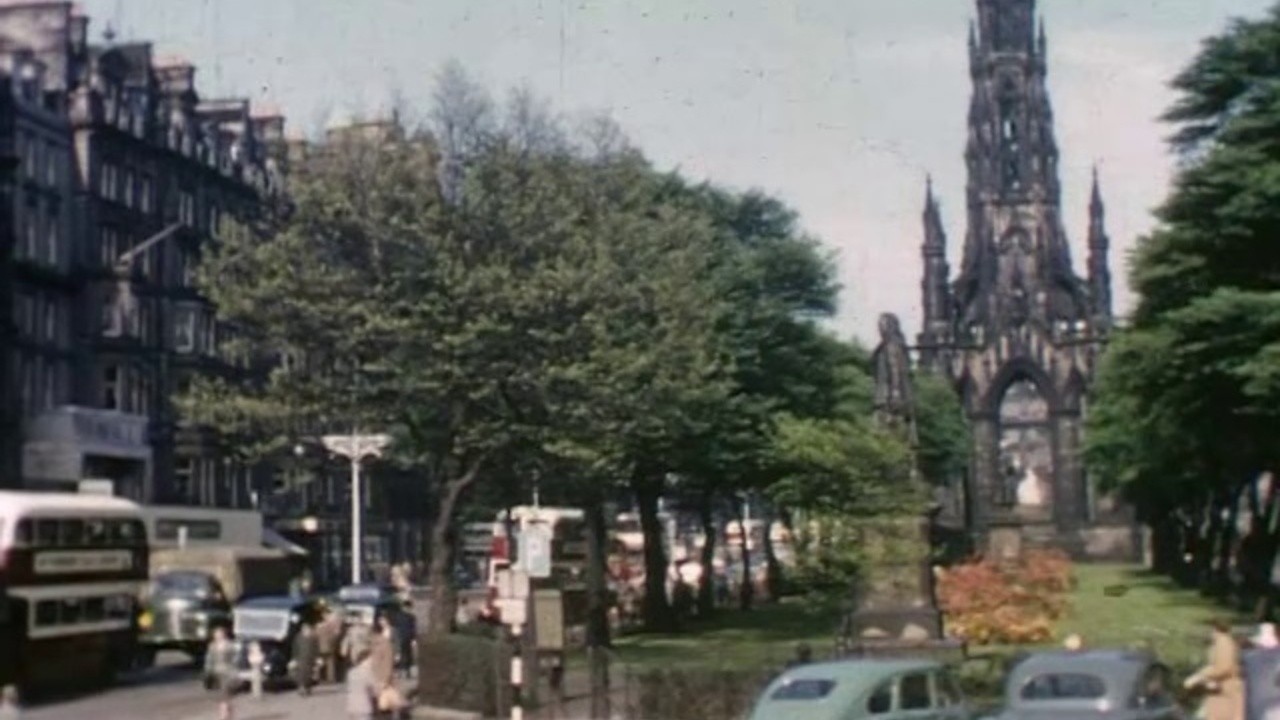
column 1017, row 331
column 103, row 147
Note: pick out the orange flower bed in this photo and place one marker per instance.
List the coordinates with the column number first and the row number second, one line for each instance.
column 988, row 603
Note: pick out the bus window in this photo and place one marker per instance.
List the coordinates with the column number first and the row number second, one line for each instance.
column 71, row 533
column 22, row 534
column 128, row 532
column 70, row 612
column 95, row 532
column 47, row 613
column 94, row 609
column 118, row 607
column 46, row 533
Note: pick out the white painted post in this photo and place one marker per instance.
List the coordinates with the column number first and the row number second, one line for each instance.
column 355, row 520
column 517, row 675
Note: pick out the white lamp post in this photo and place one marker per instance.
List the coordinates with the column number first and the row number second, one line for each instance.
column 356, row 447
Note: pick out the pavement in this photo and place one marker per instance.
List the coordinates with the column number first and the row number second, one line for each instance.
column 173, row 691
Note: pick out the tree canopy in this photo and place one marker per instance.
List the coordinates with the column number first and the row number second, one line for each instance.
column 1185, row 402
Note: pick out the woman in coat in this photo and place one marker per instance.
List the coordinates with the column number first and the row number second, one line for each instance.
column 1220, row 678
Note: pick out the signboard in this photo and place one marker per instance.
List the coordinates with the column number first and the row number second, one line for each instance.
column 548, row 612
column 65, row 562
column 169, row 529
column 512, row 584
column 513, row 611
column 535, row 550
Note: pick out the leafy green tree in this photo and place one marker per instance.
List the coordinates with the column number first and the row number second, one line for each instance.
column 1183, row 408
column 943, row 433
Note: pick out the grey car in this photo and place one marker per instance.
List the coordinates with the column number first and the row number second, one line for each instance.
column 1262, row 683
column 1096, row 684
column 863, row 689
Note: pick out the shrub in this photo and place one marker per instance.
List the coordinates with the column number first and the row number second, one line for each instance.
column 696, row 694
column 989, row 603
column 465, row 673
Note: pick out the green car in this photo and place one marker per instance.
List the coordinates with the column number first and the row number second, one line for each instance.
column 853, row 689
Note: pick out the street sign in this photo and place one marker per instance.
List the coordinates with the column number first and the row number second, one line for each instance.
column 535, row 550
column 512, row 585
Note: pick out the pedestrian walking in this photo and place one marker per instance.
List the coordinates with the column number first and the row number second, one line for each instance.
column 305, row 652
column 362, row 691
column 329, row 638
column 1220, row 678
column 256, row 659
column 406, row 632
column 220, row 671
column 382, row 665
column 9, row 707
column 355, row 642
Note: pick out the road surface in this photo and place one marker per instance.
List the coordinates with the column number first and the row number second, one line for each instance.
column 173, row 691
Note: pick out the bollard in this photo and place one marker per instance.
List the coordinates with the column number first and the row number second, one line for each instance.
column 517, row 676
column 255, row 670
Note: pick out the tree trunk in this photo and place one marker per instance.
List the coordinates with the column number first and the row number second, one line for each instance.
column 746, row 592
column 597, row 610
column 658, row 616
column 443, row 602
column 772, row 568
column 1207, row 545
column 707, row 584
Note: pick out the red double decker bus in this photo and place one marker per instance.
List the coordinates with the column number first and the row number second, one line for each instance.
column 71, row 568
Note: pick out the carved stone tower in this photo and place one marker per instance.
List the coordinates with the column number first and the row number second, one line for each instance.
column 1018, row 332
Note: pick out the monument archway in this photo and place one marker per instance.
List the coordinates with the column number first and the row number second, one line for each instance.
column 1025, row 447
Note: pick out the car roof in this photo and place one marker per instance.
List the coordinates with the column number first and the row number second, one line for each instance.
column 274, row 602
column 1118, row 669
column 854, row 677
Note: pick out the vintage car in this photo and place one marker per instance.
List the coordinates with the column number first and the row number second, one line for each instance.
column 361, row 603
column 863, row 688
column 272, row 622
column 1098, row 684
column 1262, row 684
column 192, row 591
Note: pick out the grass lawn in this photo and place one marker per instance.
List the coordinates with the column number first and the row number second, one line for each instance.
column 765, row 635
column 1149, row 610
column 1152, row 610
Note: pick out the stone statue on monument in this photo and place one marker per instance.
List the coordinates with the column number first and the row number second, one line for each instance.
column 894, row 608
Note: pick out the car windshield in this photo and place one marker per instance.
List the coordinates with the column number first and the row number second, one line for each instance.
column 181, row 583
column 806, row 689
column 1064, row 686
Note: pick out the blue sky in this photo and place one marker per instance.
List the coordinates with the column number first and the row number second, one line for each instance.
column 840, row 107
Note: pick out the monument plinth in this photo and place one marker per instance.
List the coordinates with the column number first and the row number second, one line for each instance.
column 895, row 611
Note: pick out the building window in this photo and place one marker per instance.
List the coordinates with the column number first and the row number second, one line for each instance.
column 30, row 148
column 215, row 220
column 111, row 386
column 31, row 230
column 187, row 208
column 126, row 188
column 111, row 247
column 51, row 321
column 53, row 238
column 184, row 330
column 183, row 475
column 108, row 181
column 144, row 193
column 50, row 399
column 52, row 159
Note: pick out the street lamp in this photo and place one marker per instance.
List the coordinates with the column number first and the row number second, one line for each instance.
column 356, row 447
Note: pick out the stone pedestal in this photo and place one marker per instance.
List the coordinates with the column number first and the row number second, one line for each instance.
column 894, row 600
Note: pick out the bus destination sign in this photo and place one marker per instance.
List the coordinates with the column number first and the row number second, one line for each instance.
column 66, row 562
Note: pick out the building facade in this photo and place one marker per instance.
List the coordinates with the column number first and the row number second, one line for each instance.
column 1017, row 330
column 122, row 176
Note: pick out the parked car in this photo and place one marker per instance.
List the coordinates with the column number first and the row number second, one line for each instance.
column 1095, row 684
column 273, row 622
column 849, row 689
column 1262, row 684
column 361, row 603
